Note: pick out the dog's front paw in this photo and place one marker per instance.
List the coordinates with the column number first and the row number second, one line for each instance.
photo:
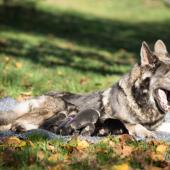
column 140, row 131
column 143, row 133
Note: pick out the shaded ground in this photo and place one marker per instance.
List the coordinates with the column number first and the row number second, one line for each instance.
column 105, row 34
column 77, row 47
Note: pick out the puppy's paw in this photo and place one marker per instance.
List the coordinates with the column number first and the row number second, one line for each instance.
column 88, row 130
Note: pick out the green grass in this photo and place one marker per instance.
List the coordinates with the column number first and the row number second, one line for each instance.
column 77, row 46
column 78, row 154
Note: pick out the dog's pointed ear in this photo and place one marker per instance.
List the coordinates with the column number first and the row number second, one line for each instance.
column 146, row 54
column 160, row 47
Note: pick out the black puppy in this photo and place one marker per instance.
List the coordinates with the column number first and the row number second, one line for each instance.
column 87, row 123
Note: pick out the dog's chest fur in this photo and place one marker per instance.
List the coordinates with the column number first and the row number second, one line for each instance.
column 115, row 102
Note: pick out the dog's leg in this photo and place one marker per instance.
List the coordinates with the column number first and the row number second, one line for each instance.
column 36, row 112
column 140, row 131
column 32, row 113
column 21, row 109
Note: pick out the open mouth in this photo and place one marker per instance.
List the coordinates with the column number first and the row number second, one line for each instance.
column 163, row 100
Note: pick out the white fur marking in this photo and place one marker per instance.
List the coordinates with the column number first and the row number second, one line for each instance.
column 98, row 112
column 87, row 128
column 26, row 106
column 106, row 95
column 107, row 108
column 31, row 126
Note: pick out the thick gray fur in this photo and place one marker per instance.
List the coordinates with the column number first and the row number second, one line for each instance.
column 140, row 100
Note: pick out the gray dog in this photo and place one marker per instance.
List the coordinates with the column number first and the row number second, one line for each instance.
column 139, row 101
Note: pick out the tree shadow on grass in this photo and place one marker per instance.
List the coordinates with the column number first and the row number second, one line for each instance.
column 105, row 34
column 50, row 55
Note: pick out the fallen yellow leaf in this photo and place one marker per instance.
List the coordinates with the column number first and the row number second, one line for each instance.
column 157, row 156
column 123, row 139
column 14, row 141
column 126, row 151
column 40, row 155
column 124, row 166
column 18, row 65
column 54, row 157
column 161, row 148
column 82, row 144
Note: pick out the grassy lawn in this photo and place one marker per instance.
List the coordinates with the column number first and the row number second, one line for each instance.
column 118, row 153
column 77, row 46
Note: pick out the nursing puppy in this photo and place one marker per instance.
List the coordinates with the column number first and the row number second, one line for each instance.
column 140, row 100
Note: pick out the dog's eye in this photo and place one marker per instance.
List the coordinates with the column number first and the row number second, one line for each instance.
column 146, row 82
column 147, row 79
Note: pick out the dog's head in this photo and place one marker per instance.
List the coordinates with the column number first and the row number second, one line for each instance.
column 151, row 78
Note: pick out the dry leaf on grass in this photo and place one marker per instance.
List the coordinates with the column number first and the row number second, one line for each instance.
column 124, row 166
column 162, row 148
column 157, row 156
column 84, row 80
column 14, row 142
column 159, row 153
column 18, row 65
column 51, row 148
column 126, row 151
column 82, row 144
column 123, row 150
column 40, row 155
column 125, row 138
column 54, row 157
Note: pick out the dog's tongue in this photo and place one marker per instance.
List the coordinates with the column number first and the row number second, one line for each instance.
column 163, row 99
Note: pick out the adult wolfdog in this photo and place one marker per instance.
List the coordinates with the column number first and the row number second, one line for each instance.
column 140, row 100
